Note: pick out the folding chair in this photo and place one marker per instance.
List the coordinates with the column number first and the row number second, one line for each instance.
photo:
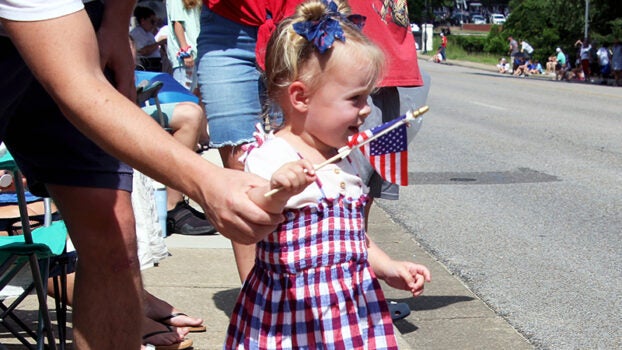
column 33, row 248
column 157, row 89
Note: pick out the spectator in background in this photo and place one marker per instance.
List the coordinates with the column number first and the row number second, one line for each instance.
column 443, row 46
column 535, row 68
column 561, row 65
column 526, row 49
column 604, row 62
column 550, row 65
column 503, row 66
column 183, row 18
column 513, row 50
column 616, row 62
column 143, row 34
column 438, row 56
column 522, row 68
column 584, row 54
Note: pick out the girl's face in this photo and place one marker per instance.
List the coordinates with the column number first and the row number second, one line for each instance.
column 338, row 107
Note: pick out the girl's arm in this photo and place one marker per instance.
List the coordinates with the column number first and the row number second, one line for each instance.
column 180, row 35
column 291, row 179
column 404, row 275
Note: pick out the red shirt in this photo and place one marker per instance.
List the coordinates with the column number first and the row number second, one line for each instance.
column 263, row 14
column 388, row 27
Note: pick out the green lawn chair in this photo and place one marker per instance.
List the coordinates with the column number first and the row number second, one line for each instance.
column 33, row 248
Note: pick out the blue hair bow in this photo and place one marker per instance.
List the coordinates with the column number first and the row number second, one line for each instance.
column 323, row 32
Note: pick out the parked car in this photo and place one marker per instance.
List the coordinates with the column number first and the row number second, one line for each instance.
column 497, row 18
column 459, row 18
column 478, row 19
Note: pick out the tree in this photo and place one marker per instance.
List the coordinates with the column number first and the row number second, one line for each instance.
column 547, row 24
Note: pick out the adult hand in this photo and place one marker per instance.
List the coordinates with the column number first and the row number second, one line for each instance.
column 229, row 208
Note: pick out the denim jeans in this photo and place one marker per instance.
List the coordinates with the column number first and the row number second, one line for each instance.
column 229, row 80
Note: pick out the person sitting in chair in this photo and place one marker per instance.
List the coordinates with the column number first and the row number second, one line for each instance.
column 189, row 127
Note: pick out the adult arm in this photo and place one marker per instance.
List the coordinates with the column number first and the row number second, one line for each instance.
column 114, row 47
column 116, row 124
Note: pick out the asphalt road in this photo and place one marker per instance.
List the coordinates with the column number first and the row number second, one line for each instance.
column 516, row 186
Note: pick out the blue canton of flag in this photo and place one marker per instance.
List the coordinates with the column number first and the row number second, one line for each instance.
column 387, row 153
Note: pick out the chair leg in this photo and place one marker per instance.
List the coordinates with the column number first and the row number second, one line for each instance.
column 45, row 324
column 60, row 290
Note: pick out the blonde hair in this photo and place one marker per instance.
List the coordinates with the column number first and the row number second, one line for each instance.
column 190, row 4
column 291, row 57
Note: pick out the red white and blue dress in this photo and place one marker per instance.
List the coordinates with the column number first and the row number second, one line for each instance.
column 312, row 286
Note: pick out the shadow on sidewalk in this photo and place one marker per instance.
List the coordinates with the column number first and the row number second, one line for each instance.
column 432, row 302
column 225, row 300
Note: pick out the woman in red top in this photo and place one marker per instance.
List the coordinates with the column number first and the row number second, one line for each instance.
column 231, row 47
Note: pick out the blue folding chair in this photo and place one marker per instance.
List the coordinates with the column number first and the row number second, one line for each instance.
column 171, row 90
column 34, row 249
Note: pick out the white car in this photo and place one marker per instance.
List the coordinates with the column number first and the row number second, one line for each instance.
column 478, row 19
column 414, row 27
column 497, row 18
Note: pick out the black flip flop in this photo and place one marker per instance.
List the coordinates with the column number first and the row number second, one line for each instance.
column 398, row 310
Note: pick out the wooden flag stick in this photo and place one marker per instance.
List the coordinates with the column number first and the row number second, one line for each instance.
column 345, row 150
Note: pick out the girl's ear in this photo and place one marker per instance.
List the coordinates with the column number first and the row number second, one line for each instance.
column 298, row 98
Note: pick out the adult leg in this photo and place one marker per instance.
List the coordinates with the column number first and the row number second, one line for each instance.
column 185, row 119
column 154, row 308
column 186, row 122
column 230, row 87
column 107, row 311
column 244, row 254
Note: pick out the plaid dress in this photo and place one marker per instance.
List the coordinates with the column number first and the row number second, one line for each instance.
column 312, row 286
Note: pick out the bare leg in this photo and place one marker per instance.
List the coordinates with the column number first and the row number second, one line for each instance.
column 107, row 303
column 244, row 254
column 186, row 122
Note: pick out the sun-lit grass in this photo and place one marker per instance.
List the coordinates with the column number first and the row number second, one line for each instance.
column 458, row 53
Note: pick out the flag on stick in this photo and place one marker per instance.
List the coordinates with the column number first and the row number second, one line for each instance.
column 386, row 147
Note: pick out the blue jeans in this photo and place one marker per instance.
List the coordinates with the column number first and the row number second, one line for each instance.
column 230, row 82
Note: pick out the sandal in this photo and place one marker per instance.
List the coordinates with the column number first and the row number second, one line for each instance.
column 398, row 310
column 193, row 329
column 183, row 344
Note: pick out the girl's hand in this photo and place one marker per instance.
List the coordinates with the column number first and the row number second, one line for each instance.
column 406, row 275
column 189, row 62
column 292, row 178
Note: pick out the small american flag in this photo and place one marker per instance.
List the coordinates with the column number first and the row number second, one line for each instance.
column 388, row 153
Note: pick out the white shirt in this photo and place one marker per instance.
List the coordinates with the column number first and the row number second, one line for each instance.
column 143, row 38
column 37, row 10
column 603, row 56
column 526, row 47
column 585, row 52
column 338, row 179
